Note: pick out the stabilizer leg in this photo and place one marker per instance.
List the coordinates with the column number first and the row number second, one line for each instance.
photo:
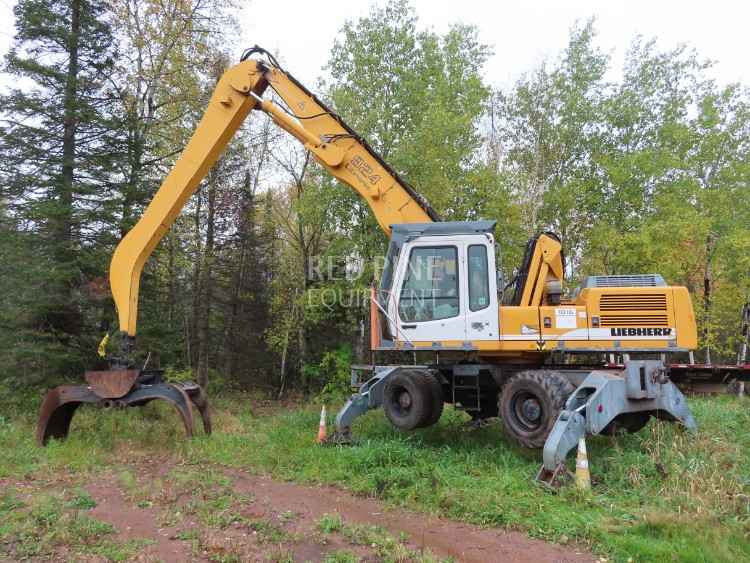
column 370, row 396
column 569, row 428
column 642, row 387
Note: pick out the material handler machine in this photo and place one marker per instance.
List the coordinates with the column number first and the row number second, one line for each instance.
column 513, row 350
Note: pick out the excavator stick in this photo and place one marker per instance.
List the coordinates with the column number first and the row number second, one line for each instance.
column 118, row 388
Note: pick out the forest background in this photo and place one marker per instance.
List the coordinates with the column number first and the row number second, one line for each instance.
column 255, row 285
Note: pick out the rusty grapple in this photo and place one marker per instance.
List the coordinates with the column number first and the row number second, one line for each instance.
column 118, row 388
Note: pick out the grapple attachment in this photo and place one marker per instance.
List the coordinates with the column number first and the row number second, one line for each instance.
column 118, row 388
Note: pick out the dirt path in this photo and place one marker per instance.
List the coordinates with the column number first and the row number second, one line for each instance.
column 137, row 523
column 443, row 538
column 275, row 520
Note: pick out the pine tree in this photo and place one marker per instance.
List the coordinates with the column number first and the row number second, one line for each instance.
column 56, row 146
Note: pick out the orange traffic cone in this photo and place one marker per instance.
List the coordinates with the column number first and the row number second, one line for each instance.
column 583, row 476
column 322, row 430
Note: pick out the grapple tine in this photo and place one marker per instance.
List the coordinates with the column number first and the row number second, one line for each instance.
column 185, row 411
column 167, row 392
column 57, row 411
column 200, row 400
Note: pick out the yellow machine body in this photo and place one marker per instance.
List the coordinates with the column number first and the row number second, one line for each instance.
column 645, row 320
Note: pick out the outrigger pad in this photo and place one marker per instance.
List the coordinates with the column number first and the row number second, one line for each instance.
column 61, row 403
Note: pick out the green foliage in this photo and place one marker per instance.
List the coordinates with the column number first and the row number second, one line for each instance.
column 82, row 500
column 645, row 172
column 418, row 97
column 54, row 125
column 331, row 374
column 646, row 175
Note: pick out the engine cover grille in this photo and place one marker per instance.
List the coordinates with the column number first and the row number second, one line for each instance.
column 633, row 302
column 633, row 280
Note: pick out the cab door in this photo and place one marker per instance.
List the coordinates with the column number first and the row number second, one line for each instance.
column 429, row 305
column 481, row 290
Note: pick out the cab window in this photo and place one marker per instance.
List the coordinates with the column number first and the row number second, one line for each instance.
column 479, row 279
column 430, row 288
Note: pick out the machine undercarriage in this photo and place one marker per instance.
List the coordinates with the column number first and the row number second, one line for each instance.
column 546, row 408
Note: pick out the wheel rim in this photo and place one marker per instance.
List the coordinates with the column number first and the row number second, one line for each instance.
column 528, row 411
column 402, row 401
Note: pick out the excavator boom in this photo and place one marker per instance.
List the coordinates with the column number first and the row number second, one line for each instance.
column 334, row 144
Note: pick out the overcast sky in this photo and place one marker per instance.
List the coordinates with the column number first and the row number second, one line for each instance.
column 522, row 33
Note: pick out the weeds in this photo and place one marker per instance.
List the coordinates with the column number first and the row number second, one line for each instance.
column 81, row 500
column 268, row 532
column 384, row 546
column 329, row 523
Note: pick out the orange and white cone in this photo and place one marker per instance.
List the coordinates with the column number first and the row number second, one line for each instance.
column 322, row 430
column 583, row 476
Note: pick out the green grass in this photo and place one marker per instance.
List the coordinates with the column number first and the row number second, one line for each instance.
column 658, row 495
column 341, row 557
column 329, row 523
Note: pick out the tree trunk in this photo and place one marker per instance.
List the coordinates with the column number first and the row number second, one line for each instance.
column 193, row 334
column 707, row 294
column 62, row 315
column 172, row 283
column 301, row 334
column 64, row 226
column 207, row 286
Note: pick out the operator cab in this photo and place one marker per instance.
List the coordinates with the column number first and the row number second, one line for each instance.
column 439, row 283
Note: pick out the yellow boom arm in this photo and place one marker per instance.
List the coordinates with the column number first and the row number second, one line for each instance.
column 546, row 264
column 335, row 145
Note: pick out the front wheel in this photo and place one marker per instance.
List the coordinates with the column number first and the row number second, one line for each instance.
column 409, row 399
column 530, row 403
column 436, row 409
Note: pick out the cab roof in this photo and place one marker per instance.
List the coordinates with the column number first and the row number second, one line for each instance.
column 407, row 231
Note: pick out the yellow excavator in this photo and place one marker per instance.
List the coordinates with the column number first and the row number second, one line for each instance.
column 515, row 350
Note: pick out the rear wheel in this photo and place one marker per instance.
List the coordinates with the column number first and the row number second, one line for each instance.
column 408, row 399
column 530, row 403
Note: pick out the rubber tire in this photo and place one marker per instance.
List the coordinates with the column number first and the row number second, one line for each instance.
column 436, row 390
column 550, row 389
column 630, row 422
column 417, row 384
